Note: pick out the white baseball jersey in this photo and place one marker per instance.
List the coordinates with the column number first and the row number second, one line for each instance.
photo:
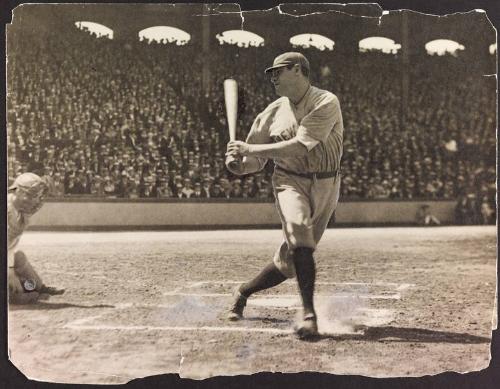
column 316, row 121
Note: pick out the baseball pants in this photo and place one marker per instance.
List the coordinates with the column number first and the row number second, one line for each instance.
column 305, row 206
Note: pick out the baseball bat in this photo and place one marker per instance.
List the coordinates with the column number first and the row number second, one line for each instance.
column 231, row 101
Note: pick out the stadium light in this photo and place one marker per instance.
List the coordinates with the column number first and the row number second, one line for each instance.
column 241, row 38
column 312, row 40
column 95, row 29
column 443, row 46
column 379, row 43
column 165, row 34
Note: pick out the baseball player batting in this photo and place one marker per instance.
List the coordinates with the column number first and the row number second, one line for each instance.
column 24, row 199
column 302, row 132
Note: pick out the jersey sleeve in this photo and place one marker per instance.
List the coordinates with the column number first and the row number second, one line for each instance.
column 14, row 232
column 259, row 133
column 307, row 140
column 317, row 124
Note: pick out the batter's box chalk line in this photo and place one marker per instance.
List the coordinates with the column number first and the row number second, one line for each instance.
column 375, row 283
column 338, row 313
column 334, row 318
column 393, row 290
column 393, row 296
column 341, row 329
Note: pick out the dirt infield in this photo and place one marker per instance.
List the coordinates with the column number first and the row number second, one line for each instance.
column 391, row 301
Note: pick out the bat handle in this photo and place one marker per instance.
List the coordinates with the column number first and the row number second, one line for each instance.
column 232, row 163
column 231, row 158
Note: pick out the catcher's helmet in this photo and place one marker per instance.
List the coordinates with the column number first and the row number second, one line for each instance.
column 30, row 190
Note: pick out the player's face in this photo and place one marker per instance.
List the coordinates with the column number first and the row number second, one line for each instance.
column 282, row 79
column 29, row 203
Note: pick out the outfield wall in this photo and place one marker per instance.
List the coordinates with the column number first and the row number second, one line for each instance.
column 77, row 213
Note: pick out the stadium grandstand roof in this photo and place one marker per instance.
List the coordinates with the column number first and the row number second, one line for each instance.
column 126, row 20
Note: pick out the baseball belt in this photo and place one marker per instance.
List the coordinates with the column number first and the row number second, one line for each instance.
column 318, row 176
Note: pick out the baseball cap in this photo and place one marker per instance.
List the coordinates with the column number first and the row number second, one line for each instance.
column 289, row 58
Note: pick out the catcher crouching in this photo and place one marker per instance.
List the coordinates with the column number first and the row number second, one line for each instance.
column 24, row 199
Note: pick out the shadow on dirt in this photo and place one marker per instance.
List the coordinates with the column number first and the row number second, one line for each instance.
column 42, row 305
column 268, row 320
column 399, row 334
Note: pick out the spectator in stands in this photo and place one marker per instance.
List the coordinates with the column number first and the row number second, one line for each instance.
column 236, row 190
column 134, row 190
column 197, row 194
column 206, row 187
column 246, row 191
column 49, row 180
column 164, row 190
column 58, row 185
column 395, row 189
column 148, row 188
column 104, row 130
column 425, row 216
column 123, row 187
column 263, row 193
column 225, row 187
column 473, row 211
column 216, row 191
column 96, row 186
column 178, row 190
column 461, row 210
column 109, row 187
column 187, row 189
column 487, row 211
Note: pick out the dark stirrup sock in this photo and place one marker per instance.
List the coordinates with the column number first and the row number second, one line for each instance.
column 305, row 270
column 269, row 276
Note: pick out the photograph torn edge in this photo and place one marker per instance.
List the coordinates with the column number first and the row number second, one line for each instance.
column 216, row 11
column 95, row 373
column 213, row 9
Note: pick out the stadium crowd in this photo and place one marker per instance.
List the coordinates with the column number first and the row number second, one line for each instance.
column 97, row 117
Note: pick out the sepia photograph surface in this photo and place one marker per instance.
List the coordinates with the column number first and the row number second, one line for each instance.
column 204, row 191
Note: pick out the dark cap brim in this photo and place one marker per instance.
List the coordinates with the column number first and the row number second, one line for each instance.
column 275, row 67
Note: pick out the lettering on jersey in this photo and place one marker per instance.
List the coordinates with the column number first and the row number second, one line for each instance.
column 284, row 125
column 280, row 137
column 283, row 135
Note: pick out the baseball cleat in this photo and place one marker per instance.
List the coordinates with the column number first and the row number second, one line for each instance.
column 308, row 328
column 239, row 303
column 50, row 290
